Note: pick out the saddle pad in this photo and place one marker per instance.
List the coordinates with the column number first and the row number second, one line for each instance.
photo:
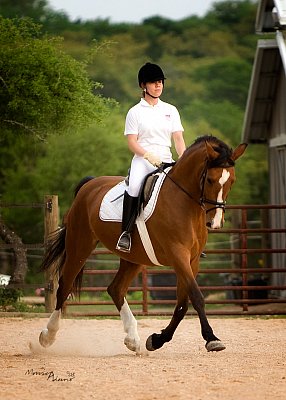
column 112, row 203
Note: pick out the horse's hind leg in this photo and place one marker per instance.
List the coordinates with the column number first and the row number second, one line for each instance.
column 48, row 335
column 74, row 263
column 117, row 290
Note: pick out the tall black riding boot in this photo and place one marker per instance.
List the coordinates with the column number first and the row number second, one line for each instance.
column 129, row 215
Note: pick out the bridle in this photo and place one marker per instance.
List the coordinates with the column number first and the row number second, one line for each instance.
column 203, row 200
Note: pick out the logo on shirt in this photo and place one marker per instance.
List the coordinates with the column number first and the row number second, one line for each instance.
column 167, row 116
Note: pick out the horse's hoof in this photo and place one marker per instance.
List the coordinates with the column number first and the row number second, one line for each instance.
column 149, row 344
column 46, row 339
column 132, row 345
column 215, row 345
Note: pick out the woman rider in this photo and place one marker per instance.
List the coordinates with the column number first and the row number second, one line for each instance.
column 150, row 127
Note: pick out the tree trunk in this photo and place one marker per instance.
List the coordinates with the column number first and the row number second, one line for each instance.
column 20, row 257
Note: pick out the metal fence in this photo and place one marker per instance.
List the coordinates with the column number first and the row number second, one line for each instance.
column 244, row 272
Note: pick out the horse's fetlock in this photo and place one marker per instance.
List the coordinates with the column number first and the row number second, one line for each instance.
column 157, row 340
column 166, row 336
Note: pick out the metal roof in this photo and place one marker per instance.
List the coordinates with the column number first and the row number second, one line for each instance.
column 266, row 68
column 271, row 15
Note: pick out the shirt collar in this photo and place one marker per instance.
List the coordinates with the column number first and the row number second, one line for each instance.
column 144, row 103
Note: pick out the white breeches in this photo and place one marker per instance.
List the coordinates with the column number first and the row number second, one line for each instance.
column 140, row 168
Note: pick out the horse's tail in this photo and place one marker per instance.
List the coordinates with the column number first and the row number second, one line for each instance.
column 56, row 254
column 55, row 247
column 81, row 183
column 55, row 250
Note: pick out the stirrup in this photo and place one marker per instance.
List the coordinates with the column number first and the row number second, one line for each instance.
column 124, row 242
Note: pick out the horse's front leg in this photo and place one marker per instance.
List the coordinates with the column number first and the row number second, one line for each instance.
column 198, row 302
column 187, row 289
column 157, row 340
column 117, row 290
column 185, row 271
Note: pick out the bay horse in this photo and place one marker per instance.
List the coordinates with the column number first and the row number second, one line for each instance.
column 191, row 200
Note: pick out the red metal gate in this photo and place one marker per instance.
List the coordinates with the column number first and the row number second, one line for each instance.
column 242, row 284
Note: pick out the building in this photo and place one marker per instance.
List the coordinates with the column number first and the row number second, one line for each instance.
column 265, row 115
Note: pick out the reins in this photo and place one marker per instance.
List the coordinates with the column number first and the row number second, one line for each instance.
column 202, row 200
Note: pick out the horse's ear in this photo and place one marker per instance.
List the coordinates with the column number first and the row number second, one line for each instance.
column 212, row 154
column 238, row 151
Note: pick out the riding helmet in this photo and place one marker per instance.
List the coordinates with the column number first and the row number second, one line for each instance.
column 150, row 73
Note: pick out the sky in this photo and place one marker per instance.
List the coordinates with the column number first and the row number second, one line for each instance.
column 131, row 10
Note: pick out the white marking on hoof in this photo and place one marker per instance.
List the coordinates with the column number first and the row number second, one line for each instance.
column 215, row 345
column 46, row 339
column 132, row 345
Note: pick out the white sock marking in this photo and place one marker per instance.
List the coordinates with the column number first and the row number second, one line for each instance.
column 130, row 327
column 54, row 321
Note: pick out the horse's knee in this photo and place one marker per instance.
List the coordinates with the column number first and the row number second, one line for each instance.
column 182, row 309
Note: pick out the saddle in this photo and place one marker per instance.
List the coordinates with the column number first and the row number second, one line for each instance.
column 148, row 185
column 111, row 206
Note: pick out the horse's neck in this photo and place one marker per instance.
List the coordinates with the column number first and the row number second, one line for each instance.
column 188, row 171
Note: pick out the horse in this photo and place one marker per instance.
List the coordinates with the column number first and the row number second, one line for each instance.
column 191, row 201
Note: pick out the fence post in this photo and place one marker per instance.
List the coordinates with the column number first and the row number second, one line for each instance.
column 51, row 224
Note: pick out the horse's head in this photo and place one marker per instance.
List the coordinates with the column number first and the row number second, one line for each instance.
column 217, row 178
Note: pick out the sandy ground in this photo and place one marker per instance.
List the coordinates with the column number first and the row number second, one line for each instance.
column 90, row 361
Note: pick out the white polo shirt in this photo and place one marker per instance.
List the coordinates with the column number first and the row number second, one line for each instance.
column 154, row 125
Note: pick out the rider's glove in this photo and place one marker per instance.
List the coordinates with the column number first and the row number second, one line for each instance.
column 153, row 159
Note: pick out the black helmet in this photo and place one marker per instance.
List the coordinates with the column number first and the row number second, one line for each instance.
column 150, row 73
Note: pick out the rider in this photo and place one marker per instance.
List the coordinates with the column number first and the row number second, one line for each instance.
column 149, row 127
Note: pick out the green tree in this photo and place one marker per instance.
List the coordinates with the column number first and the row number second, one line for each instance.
column 35, row 9
column 43, row 91
column 226, row 79
column 236, row 15
column 57, row 165
column 223, row 116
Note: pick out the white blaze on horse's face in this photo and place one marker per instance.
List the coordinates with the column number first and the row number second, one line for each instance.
column 218, row 219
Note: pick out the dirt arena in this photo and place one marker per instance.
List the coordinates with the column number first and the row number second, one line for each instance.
column 90, row 361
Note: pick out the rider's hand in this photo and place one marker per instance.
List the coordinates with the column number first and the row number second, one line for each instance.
column 153, row 159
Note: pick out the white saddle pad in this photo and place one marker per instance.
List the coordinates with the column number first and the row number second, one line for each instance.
column 112, row 203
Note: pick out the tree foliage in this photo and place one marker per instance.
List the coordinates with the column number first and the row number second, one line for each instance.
column 43, row 90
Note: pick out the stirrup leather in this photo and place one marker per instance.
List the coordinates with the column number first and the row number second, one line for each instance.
column 124, row 242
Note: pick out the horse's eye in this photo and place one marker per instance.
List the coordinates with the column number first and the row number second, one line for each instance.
column 209, row 181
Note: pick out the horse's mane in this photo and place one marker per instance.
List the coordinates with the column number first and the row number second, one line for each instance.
column 225, row 152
